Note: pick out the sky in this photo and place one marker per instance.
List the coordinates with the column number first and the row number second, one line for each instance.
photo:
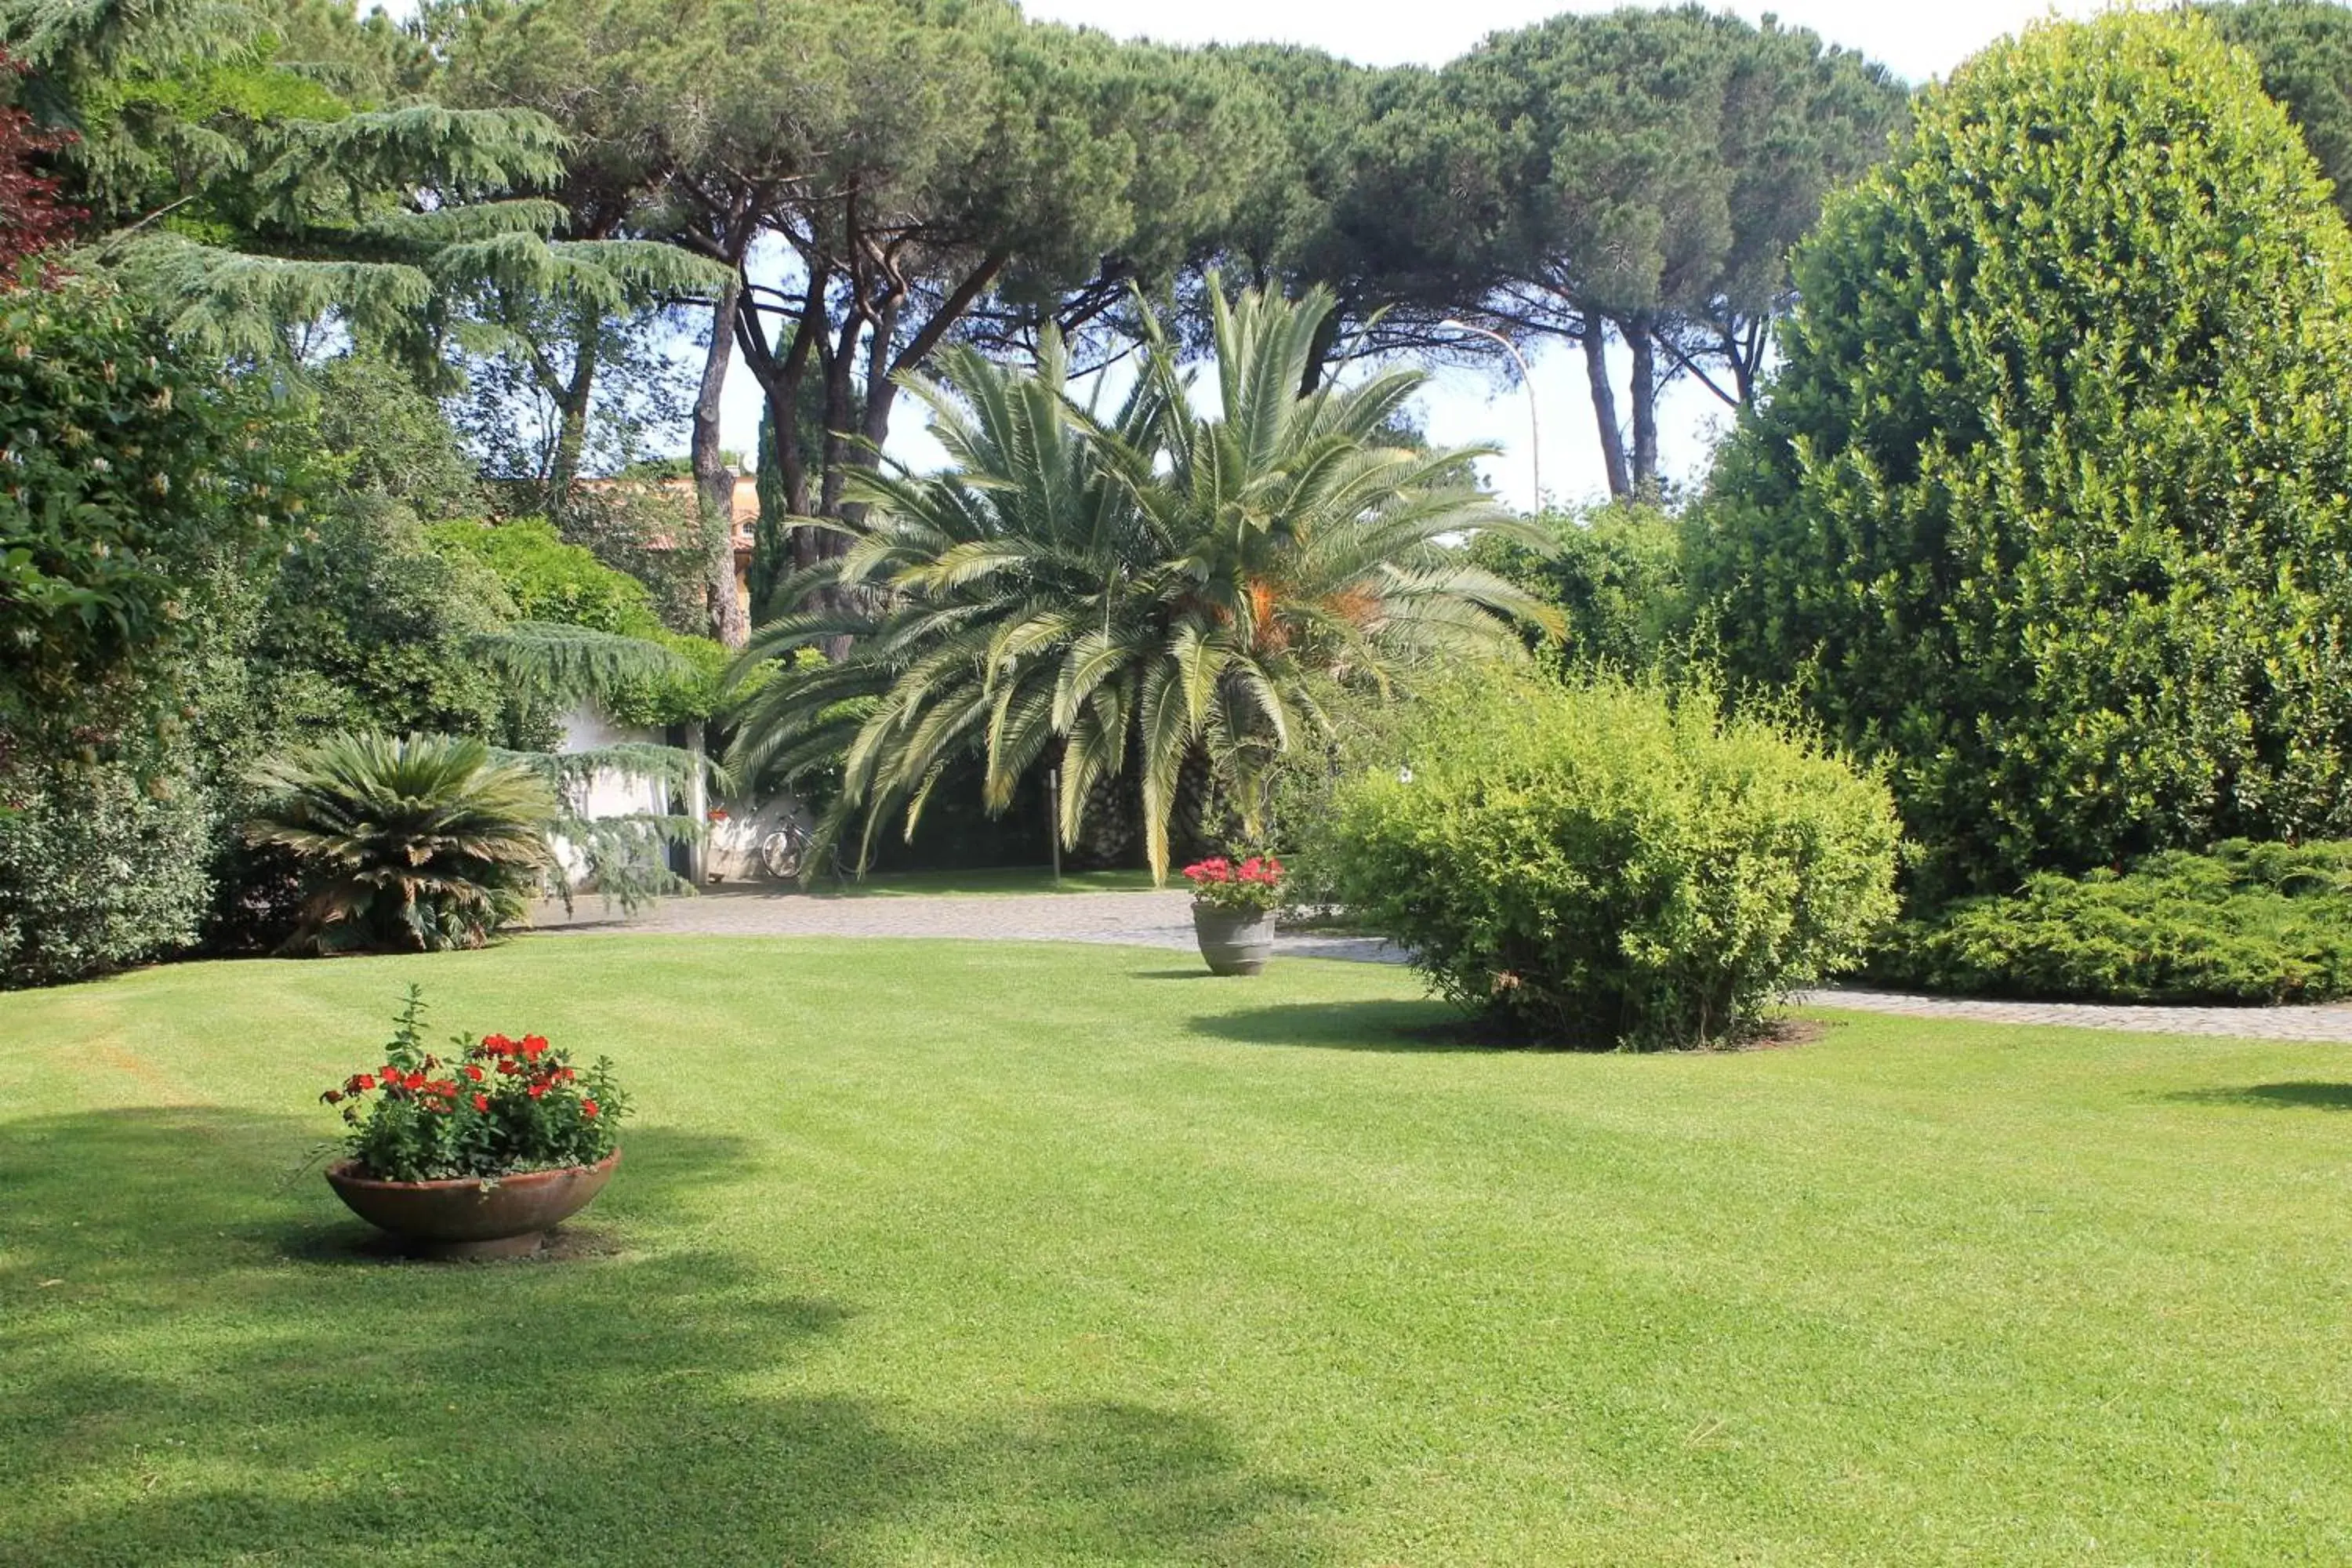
column 1918, row 39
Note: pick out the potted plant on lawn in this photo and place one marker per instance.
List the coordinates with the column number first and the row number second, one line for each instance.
column 1232, row 912
column 476, row 1154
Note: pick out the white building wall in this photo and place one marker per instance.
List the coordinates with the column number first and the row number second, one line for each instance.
column 608, row 793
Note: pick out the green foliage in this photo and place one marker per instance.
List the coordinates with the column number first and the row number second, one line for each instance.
column 366, row 624
column 551, row 581
column 623, row 859
column 2250, row 923
column 98, row 869
column 253, row 196
column 1166, row 584
column 2052, row 503
column 1615, row 574
column 1603, row 864
column 1361, row 729
column 381, row 435
column 699, row 686
column 2303, row 49
column 423, row 844
column 652, row 532
column 134, row 487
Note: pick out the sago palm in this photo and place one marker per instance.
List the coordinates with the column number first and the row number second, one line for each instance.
column 1134, row 590
column 425, row 843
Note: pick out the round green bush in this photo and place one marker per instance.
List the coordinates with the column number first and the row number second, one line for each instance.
column 2051, row 502
column 1607, row 864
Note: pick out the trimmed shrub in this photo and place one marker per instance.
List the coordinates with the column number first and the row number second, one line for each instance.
column 99, row 871
column 1606, row 864
column 2249, row 923
column 2051, row 502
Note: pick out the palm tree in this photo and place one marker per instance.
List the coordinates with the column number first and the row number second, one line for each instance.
column 1156, row 586
column 428, row 843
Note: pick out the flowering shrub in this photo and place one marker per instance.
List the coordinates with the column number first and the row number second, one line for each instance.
column 1255, row 884
column 496, row 1107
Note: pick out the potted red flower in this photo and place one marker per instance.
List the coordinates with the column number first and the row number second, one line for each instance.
column 474, row 1153
column 1232, row 912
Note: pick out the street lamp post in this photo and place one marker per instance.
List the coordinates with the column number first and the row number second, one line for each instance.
column 1528, row 381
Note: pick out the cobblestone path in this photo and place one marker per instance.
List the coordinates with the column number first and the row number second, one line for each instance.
column 1164, row 920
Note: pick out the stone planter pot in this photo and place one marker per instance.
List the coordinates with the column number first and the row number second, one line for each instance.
column 504, row 1217
column 1234, row 941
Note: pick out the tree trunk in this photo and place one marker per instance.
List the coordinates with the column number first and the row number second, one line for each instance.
column 714, row 482
column 698, row 807
column 1646, row 404
column 843, row 418
column 572, row 431
column 1604, row 406
column 1319, row 353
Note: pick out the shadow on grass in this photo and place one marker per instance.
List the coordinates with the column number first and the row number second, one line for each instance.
column 1355, row 1026
column 197, row 1374
column 2306, row 1096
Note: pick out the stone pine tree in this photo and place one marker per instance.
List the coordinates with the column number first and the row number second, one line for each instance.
column 1636, row 178
column 2051, row 504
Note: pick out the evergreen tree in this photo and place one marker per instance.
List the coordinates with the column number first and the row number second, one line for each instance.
column 2051, row 505
column 259, row 199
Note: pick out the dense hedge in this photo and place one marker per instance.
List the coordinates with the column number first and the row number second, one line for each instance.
column 136, row 491
column 98, row 869
column 1603, row 864
column 140, row 496
column 2051, row 503
column 2247, row 923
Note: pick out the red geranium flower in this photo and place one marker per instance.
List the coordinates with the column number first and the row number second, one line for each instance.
column 588, row 1108
column 473, row 1072
column 537, row 1090
column 481, row 1102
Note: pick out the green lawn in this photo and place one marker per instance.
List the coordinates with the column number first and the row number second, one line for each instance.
column 945, row 1253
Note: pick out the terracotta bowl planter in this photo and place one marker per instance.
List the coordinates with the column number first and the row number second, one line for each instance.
column 504, row 1217
column 1234, row 941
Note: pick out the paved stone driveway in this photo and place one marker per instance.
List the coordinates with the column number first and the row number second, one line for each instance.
column 1130, row 920
column 1164, row 920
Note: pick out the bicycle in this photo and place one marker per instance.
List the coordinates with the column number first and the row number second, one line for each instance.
column 783, row 850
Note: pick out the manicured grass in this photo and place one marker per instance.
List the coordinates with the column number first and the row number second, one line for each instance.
column 958, row 1253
